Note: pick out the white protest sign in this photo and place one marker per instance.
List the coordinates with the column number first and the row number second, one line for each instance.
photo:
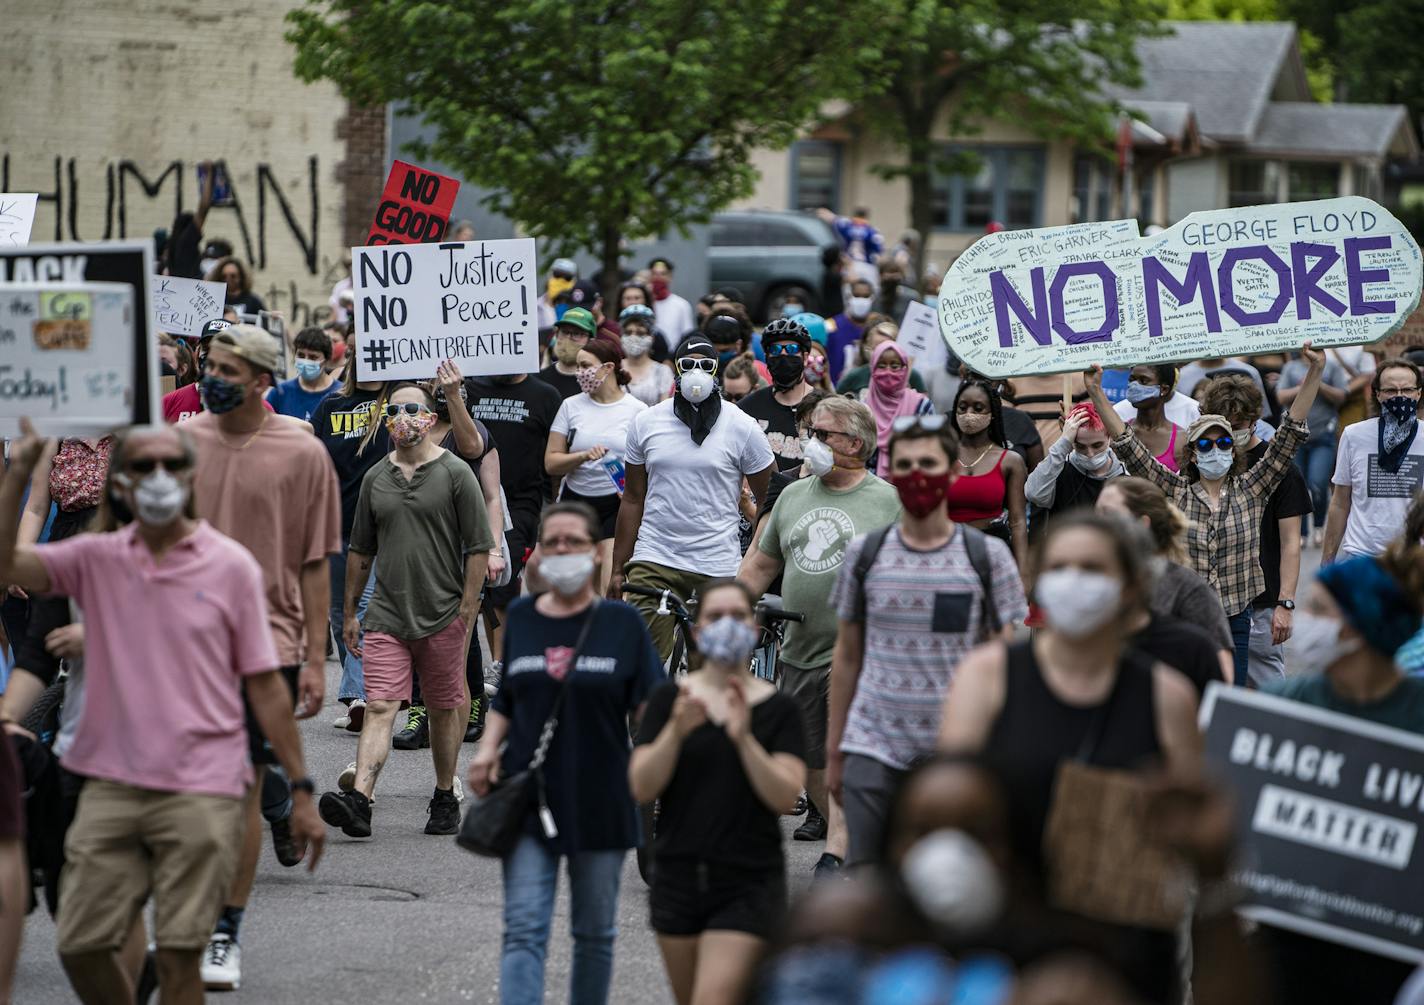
column 17, row 217
column 919, row 334
column 1229, row 282
column 183, row 306
column 66, row 357
column 418, row 304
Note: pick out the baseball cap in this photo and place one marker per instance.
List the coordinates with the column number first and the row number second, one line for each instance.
column 578, row 317
column 255, row 345
column 584, row 292
column 565, row 265
column 722, row 329
column 213, row 327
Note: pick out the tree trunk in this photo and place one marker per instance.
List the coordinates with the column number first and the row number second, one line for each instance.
column 920, row 150
column 610, row 278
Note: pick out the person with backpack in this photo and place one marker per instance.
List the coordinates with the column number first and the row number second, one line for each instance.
column 912, row 600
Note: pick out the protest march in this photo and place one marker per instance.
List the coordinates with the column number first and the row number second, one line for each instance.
column 705, row 603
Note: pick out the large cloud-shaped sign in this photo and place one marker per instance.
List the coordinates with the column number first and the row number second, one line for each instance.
column 1226, row 283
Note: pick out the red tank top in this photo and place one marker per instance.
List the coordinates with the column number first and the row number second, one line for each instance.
column 978, row 497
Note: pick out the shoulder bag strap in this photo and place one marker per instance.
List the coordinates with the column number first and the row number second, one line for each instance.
column 552, row 722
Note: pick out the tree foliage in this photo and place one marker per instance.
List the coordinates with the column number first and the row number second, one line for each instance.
column 594, row 120
column 1367, row 48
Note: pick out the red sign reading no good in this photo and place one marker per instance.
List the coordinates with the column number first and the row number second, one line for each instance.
column 415, row 206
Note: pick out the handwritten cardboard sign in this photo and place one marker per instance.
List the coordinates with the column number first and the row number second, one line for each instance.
column 1329, row 815
column 415, row 206
column 66, row 361
column 1228, row 282
column 183, row 306
column 919, row 334
column 17, row 217
column 127, row 262
column 418, row 304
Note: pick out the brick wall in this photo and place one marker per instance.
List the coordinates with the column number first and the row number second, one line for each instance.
column 109, row 105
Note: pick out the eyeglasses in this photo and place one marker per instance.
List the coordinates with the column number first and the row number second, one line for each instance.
column 1390, row 392
column 1205, row 443
column 784, row 349
column 572, row 334
column 550, row 544
column 929, row 423
column 690, row 363
column 409, row 408
column 824, row 434
column 147, row 465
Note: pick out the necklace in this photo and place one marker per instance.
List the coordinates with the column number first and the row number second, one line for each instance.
column 970, row 466
column 249, row 441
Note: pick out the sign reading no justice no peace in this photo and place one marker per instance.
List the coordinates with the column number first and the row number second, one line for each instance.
column 1229, row 282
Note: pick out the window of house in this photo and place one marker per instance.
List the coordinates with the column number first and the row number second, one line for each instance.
column 1005, row 185
column 1253, row 183
column 1092, row 189
column 815, row 175
column 1313, row 181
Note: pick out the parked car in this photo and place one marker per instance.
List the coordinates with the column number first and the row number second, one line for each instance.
column 766, row 255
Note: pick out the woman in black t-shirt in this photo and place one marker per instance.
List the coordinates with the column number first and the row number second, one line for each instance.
column 725, row 754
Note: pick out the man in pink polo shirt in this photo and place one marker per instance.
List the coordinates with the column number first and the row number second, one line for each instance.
column 176, row 629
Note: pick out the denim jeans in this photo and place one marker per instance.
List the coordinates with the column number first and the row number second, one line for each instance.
column 1241, row 646
column 353, row 683
column 1316, row 461
column 531, row 875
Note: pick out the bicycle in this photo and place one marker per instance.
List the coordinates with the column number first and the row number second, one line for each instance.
column 670, row 604
column 772, row 619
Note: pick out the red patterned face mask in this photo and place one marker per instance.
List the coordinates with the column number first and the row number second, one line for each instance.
column 921, row 494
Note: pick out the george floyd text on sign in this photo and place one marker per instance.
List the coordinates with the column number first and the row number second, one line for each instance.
column 183, row 306
column 66, row 359
column 1329, row 813
column 1228, row 282
column 415, row 206
column 418, row 304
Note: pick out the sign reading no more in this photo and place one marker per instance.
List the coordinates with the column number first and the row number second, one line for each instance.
column 419, row 304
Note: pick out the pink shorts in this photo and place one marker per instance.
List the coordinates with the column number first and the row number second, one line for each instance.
column 439, row 659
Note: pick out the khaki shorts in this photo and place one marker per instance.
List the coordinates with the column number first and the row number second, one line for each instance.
column 128, row 843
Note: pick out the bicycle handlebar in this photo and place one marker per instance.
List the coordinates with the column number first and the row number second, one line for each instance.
column 648, row 591
column 777, row 614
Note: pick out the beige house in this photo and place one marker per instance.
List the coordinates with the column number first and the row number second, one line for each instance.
column 1224, row 118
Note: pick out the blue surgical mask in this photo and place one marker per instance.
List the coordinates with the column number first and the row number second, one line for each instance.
column 723, row 358
column 308, row 369
column 1139, row 394
column 791, row 310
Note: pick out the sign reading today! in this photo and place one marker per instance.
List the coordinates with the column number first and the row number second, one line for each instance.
column 66, row 357
column 1329, row 814
column 418, row 304
column 1229, row 282
column 414, row 207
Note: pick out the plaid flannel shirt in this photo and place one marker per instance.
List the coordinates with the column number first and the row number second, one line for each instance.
column 1224, row 546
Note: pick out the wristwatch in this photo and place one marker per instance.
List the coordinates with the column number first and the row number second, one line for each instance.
column 303, row 785
column 1287, row 604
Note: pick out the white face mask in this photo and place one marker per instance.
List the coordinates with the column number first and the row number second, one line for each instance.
column 858, row 307
column 819, row 458
column 1215, row 464
column 696, row 386
column 727, row 641
column 953, row 881
column 1077, row 603
column 637, row 345
column 567, row 574
column 158, row 499
column 1095, row 466
column 1316, row 645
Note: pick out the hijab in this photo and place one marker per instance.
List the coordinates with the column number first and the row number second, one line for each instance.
column 887, row 406
column 699, row 418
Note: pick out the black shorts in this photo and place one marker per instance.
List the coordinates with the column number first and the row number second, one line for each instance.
column 691, row 897
column 605, row 506
column 257, row 745
column 518, row 539
column 811, row 691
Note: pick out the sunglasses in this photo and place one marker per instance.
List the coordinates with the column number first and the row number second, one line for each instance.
column 147, row 465
column 409, row 408
column 1205, row 444
column 689, row 363
column 824, row 434
column 784, row 349
column 929, row 423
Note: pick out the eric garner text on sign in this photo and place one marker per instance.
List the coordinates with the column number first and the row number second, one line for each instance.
column 418, row 304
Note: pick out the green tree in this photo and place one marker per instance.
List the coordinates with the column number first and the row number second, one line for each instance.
column 1367, row 48
column 1040, row 63
column 592, row 121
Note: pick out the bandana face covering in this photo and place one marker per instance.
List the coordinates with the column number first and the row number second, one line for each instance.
column 408, row 430
column 1399, row 423
column 696, row 403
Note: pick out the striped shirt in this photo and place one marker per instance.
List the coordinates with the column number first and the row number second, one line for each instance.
column 922, row 612
column 1224, row 547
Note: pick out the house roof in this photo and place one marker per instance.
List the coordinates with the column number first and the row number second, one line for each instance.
column 1170, row 120
column 1226, row 71
column 1302, row 128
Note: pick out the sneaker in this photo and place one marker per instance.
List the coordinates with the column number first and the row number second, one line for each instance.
column 476, row 726
column 283, row 844
column 828, row 866
column 801, row 803
column 814, row 829
column 356, row 712
column 494, row 673
column 417, row 730
column 341, row 721
column 222, row 964
column 350, row 811
column 346, row 781
column 444, row 814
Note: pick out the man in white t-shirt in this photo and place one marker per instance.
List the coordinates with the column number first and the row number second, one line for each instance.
column 674, row 314
column 1379, row 468
column 685, row 461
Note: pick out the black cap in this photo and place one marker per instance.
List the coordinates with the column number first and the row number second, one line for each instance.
column 583, row 293
column 213, row 327
column 722, row 329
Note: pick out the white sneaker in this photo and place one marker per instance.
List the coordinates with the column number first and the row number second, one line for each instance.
column 222, row 964
column 356, row 716
column 341, row 721
column 346, row 781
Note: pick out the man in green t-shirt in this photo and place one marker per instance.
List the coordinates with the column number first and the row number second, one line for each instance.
column 805, row 543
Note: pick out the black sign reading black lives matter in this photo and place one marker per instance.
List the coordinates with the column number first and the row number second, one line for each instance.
column 1329, row 812
column 129, row 262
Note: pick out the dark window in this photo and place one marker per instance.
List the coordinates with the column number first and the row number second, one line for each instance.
column 1313, row 181
column 1253, row 183
column 736, row 232
column 1092, row 189
column 784, row 234
column 815, row 175
column 1005, row 186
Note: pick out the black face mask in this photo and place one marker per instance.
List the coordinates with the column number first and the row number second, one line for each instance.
column 786, row 371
